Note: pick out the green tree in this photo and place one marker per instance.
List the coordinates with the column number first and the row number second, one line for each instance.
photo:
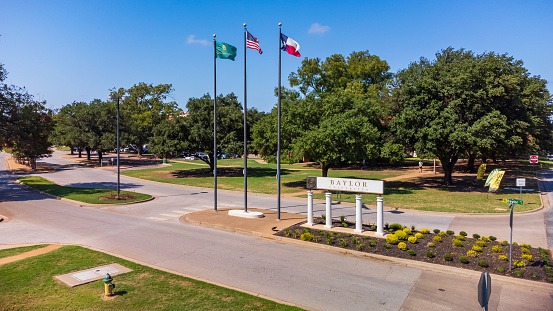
column 463, row 104
column 230, row 129
column 69, row 127
column 99, row 122
column 145, row 108
column 169, row 138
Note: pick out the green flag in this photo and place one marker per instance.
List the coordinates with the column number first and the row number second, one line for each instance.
column 225, row 50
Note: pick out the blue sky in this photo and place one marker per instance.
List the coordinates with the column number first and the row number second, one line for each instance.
column 65, row 51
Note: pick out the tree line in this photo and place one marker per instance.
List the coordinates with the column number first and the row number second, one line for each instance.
column 342, row 110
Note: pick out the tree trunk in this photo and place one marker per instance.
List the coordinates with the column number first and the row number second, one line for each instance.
column 80, row 152
column 324, row 168
column 100, row 157
column 71, row 148
column 33, row 163
column 209, row 160
column 470, row 164
column 448, row 164
column 87, row 153
column 140, row 151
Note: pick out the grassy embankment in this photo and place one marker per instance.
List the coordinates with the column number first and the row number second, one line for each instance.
column 28, row 284
column 86, row 195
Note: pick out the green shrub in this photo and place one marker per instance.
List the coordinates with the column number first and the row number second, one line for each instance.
column 437, row 238
column 401, row 235
column 436, row 231
column 348, row 235
column 476, row 236
column 431, row 245
column 413, row 227
column 515, row 243
column 504, row 243
column 527, row 257
column 359, row 246
column 412, row 239
column 525, row 246
column 483, row 263
column 476, row 248
column 425, row 231
column 402, row 246
column 342, row 218
column 429, row 254
column 492, row 238
column 448, row 257
column 307, row 236
column 297, row 234
column 519, row 264
column 460, row 237
column 503, row 257
column 481, row 243
column 442, row 233
column 392, row 239
column 329, row 240
column 343, row 242
column 355, row 241
column 457, row 243
column 463, row 233
column 385, row 245
column 316, row 239
column 372, row 243
column 518, row 273
column 287, row 232
column 407, row 231
column 395, row 226
column 323, row 216
column 373, row 227
column 472, row 253
column 411, row 252
column 321, row 222
column 496, row 248
column 419, row 235
column 500, row 270
column 463, row 259
column 305, row 230
column 319, row 231
column 345, row 225
column 550, row 280
column 485, row 239
column 338, row 236
column 535, row 275
column 450, row 232
column 365, row 237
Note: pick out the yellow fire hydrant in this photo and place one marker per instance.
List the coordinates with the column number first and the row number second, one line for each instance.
column 108, row 287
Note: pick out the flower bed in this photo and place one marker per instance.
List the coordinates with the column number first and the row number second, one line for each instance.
column 438, row 247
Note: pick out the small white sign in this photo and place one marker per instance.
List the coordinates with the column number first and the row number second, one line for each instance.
column 521, row 182
column 352, row 185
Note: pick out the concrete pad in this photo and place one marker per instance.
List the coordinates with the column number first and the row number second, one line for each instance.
column 93, row 274
column 244, row 214
column 528, row 299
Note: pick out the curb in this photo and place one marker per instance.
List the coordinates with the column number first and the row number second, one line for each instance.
column 79, row 202
column 399, row 261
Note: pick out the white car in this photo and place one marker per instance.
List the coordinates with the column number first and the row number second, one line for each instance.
column 190, row 158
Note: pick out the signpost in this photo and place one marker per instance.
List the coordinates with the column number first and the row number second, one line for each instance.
column 534, row 160
column 521, row 182
column 511, row 241
column 484, row 289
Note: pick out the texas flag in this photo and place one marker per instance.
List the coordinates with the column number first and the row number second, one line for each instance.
column 290, row 46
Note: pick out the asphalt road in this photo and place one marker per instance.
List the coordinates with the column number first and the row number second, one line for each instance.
column 303, row 276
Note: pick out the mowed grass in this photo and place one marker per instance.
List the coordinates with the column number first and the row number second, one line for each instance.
column 19, row 250
column 261, row 179
column 86, row 195
column 29, row 284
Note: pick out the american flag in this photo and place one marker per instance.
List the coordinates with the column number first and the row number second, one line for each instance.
column 252, row 43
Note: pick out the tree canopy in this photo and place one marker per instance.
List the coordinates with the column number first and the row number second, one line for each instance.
column 462, row 104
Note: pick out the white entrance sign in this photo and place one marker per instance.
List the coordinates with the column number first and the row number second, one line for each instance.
column 352, row 185
column 521, row 182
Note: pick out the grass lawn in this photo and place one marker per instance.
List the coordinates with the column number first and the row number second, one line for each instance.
column 86, row 195
column 261, row 177
column 63, row 149
column 19, row 250
column 28, row 284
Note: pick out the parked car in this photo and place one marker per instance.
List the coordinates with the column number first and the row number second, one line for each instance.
column 201, row 155
column 190, row 157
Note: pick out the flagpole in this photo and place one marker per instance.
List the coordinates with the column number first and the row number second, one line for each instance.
column 245, row 130
column 278, row 142
column 214, row 124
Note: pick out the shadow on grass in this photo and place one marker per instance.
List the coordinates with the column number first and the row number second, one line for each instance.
column 228, row 172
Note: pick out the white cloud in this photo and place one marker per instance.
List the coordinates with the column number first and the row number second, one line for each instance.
column 192, row 40
column 318, row 28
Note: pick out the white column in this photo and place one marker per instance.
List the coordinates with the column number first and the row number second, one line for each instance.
column 358, row 214
column 379, row 216
column 328, row 210
column 310, row 208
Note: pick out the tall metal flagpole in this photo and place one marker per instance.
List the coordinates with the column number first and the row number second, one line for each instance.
column 214, row 124
column 278, row 143
column 245, row 130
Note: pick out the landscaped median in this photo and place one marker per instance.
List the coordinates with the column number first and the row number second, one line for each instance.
column 85, row 195
column 447, row 248
column 29, row 284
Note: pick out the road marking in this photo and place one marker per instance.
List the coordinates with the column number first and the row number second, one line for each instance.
column 157, row 218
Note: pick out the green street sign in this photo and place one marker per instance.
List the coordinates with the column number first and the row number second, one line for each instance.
column 512, row 201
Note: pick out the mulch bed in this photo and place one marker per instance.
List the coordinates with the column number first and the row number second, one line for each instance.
column 539, row 269
column 122, row 197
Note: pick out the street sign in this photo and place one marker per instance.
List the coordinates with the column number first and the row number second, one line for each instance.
column 534, row 159
column 512, row 201
column 521, row 182
column 484, row 289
